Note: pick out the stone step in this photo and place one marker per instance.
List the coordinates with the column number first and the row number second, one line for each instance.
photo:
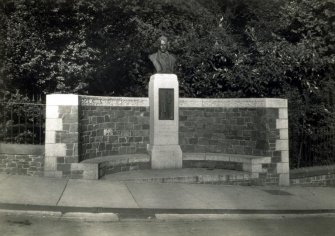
column 187, row 175
column 96, row 168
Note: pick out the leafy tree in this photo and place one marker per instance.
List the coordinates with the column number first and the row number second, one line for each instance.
column 225, row 48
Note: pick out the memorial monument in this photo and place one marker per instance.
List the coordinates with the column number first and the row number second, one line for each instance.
column 164, row 148
column 163, row 61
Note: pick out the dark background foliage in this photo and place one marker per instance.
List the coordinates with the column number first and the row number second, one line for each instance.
column 225, row 48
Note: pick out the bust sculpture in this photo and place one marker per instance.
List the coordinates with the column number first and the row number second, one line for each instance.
column 162, row 60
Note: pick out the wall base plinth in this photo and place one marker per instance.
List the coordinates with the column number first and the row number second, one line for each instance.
column 166, row 157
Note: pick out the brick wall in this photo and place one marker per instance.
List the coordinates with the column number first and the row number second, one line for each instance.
column 80, row 128
column 257, row 127
column 313, row 176
column 21, row 159
column 324, row 180
column 107, row 130
column 248, row 131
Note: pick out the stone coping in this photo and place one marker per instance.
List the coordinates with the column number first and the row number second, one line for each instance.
column 233, row 102
column 127, row 158
column 21, row 149
column 85, row 100
column 312, row 171
column 132, row 158
column 226, row 158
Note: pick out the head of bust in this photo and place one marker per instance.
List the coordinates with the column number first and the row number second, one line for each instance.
column 163, row 43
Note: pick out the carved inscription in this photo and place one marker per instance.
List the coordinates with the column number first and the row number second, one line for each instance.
column 112, row 101
column 166, row 104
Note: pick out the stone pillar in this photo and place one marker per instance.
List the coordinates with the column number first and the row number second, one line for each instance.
column 282, row 145
column 61, row 134
column 164, row 147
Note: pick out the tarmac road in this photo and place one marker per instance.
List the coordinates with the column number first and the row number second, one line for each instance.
column 38, row 226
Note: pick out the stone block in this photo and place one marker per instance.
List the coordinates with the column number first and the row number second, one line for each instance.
column 57, row 149
column 254, row 175
column 60, row 160
column 281, row 123
column 66, row 127
column 190, row 102
column 283, row 113
column 53, row 124
column 76, row 166
column 69, row 152
column 257, row 168
column 194, row 156
column 50, row 163
column 276, row 102
column 262, row 144
column 52, row 112
column 238, row 158
column 69, row 138
column 284, row 179
column 70, row 119
column 91, row 174
column 53, row 174
column 283, row 168
column 261, row 160
column 64, row 110
column 65, row 168
column 74, row 109
column 282, row 145
column 283, row 133
column 217, row 157
column 285, row 156
column 62, row 99
column 167, row 156
column 50, row 136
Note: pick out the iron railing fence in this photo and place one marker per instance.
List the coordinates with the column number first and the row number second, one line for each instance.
column 317, row 147
column 22, row 122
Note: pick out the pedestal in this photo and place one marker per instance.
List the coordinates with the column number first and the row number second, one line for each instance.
column 164, row 147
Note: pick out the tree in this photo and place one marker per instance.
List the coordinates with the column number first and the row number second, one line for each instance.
column 225, row 48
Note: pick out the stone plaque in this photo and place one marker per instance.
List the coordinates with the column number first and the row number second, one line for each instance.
column 166, row 104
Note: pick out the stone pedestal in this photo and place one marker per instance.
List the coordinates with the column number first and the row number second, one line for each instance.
column 164, row 147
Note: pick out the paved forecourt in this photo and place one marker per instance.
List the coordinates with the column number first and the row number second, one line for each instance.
column 131, row 195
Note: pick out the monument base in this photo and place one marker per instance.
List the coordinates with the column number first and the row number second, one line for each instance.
column 166, row 157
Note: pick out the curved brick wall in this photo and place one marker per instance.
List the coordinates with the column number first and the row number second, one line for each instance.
column 80, row 128
column 247, row 131
column 107, row 130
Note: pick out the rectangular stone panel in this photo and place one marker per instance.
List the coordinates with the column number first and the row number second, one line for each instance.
column 166, row 104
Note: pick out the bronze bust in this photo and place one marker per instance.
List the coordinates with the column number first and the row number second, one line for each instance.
column 162, row 60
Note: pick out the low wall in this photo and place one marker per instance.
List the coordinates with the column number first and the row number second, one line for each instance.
column 257, row 127
column 22, row 159
column 113, row 127
column 248, row 131
column 84, row 127
column 313, row 176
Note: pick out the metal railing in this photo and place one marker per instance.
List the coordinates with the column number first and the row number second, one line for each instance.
column 315, row 148
column 22, row 122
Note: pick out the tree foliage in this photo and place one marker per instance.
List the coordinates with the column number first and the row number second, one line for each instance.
column 225, row 48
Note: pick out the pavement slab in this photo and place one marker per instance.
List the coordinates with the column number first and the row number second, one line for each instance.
column 3, row 177
column 237, row 197
column 134, row 200
column 166, row 196
column 97, row 193
column 31, row 190
column 317, row 197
